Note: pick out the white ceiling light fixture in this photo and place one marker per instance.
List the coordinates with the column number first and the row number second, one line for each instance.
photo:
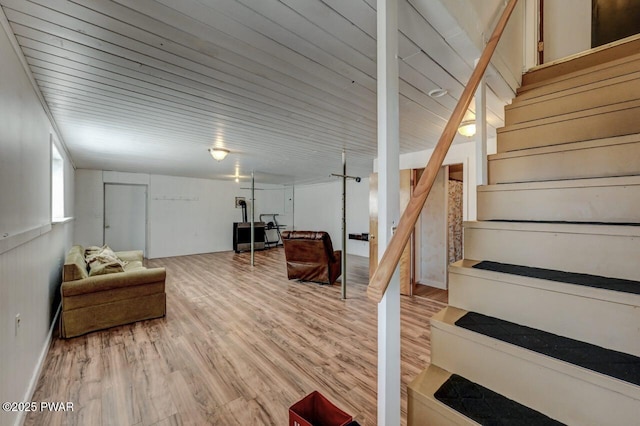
column 437, row 93
column 467, row 128
column 218, row 154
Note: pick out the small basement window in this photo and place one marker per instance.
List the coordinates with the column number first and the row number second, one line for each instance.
column 57, row 183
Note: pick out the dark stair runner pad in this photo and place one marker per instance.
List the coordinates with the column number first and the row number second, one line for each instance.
column 595, row 281
column 605, row 361
column 486, row 406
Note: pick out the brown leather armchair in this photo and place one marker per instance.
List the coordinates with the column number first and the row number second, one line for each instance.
column 310, row 256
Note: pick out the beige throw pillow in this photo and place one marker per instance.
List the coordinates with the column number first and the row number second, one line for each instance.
column 104, row 261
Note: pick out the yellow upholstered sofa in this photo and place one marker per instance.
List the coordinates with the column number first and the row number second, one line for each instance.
column 97, row 302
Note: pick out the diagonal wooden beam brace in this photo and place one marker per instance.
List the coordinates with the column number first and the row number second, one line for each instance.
column 380, row 279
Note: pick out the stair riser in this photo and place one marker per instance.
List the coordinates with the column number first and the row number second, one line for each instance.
column 585, row 161
column 585, row 204
column 595, row 61
column 585, row 127
column 593, row 96
column 612, row 256
column 543, row 305
column 422, row 407
column 613, row 70
column 536, row 381
column 430, row 413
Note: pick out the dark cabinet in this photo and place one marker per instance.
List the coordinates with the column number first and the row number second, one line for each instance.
column 242, row 236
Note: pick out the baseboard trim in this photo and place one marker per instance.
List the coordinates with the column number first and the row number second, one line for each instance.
column 28, row 396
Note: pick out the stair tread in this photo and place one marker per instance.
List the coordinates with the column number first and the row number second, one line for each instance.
column 611, row 363
column 486, row 406
column 594, row 281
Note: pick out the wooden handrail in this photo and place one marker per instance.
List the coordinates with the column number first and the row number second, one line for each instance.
column 382, row 276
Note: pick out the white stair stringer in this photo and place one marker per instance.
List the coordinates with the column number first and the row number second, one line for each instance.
column 617, row 156
column 575, row 311
column 580, row 200
column 604, row 250
column 424, row 409
column 563, row 391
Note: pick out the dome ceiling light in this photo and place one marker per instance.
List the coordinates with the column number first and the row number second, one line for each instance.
column 467, row 128
column 219, row 154
column 437, row 93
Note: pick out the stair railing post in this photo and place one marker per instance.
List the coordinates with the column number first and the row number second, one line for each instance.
column 343, row 286
column 253, row 210
column 389, row 389
column 481, row 133
column 388, row 263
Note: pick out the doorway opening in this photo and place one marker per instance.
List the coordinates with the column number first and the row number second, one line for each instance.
column 439, row 239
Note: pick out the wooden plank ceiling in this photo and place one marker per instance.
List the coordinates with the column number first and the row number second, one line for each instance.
column 149, row 85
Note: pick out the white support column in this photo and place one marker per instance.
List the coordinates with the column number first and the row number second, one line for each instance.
column 253, row 210
column 481, row 134
column 343, row 280
column 388, row 210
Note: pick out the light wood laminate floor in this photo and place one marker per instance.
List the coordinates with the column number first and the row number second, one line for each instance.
column 238, row 346
column 432, row 293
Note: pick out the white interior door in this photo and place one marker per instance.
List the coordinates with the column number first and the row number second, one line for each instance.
column 433, row 235
column 125, row 216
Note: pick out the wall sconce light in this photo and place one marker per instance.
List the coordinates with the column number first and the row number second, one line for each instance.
column 467, row 128
column 218, row 154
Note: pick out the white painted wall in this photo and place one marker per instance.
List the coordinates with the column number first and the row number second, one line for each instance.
column 188, row 215
column 89, row 207
column 184, row 215
column 25, row 160
column 30, row 277
column 477, row 20
column 318, row 207
column 32, row 250
column 567, row 28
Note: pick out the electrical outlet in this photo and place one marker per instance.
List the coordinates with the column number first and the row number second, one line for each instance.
column 17, row 323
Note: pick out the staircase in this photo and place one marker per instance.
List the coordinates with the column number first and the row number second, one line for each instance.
column 543, row 325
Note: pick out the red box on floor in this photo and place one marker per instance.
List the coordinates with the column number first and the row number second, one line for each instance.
column 316, row 410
